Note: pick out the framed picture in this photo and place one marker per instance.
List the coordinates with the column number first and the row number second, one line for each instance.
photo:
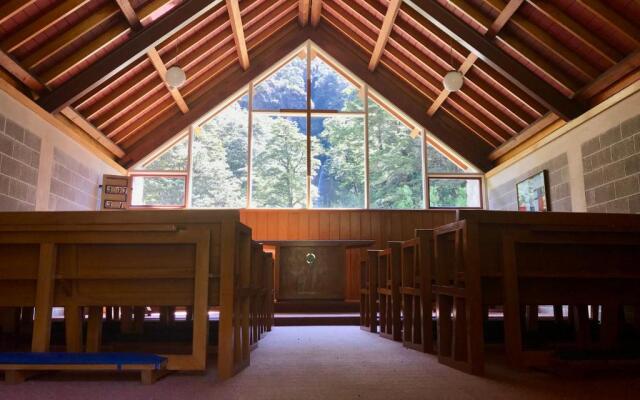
column 533, row 193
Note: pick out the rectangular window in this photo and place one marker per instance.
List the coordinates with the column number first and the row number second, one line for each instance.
column 455, row 193
column 158, row 191
column 337, row 151
column 279, row 162
column 395, row 162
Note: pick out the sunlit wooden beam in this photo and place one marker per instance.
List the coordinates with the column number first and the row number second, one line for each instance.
column 385, row 31
column 42, row 23
column 129, row 14
column 158, row 64
column 86, row 126
column 19, row 72
column 238, row 32
column 316, row 10
column 303, row 12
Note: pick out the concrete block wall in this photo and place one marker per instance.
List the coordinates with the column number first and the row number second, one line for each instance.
column 19, row 166
column 74, row 185
column 611, row 164
column 503, row 197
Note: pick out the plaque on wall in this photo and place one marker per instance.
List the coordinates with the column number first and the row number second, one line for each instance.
column 115, row 192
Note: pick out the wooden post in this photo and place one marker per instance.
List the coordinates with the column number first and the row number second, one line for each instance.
column 44, row 298
column 201, row 304
column 73, row 317
column 228, row 238
column 94, row 329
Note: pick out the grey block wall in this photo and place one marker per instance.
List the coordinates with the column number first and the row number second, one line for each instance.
column 74, row 186
column 503, row 197
column 19, row 163
column 611, row 163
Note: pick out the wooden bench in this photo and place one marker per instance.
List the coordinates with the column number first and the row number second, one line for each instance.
column 189, row 258
column 389, row 300
column 486, row 258
column 18, row 367
column 369, row 291
column 417, row 260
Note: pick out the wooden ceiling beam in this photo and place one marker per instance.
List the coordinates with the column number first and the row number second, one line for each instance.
column 39, row 25
column 501, row 20
column 13, row 7
column 303, row 16
column 20, row 73
column 577, row 31
column 124, row 55
column 238, row 32
column 385, row 31
column 55, row 45
column 316, row 12
column 86, row 126
column 159, row 65
column 611, row 76
column 517, row 73
column 228, row 83
column 129, row 14
column 613, row 20
column 447, row 129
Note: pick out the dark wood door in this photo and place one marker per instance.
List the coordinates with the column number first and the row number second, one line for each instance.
column 308, row 273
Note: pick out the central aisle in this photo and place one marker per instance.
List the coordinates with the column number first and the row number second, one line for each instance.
column 342, row 362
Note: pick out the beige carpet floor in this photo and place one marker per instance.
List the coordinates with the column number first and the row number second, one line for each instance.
column 307, row 363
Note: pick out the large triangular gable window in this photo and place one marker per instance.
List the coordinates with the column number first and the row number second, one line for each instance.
column 307, row 134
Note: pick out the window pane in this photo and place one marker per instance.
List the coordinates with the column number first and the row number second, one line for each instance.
column 439, row 163
column 330, row 90
column 337, row 151
column 279, row 163
column 454, row 193
column 172, row 159
column 158, row 191
column 395, row 162
column 219, row 178
column 285, row 89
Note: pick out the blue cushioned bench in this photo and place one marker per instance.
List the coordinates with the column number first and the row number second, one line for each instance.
column 19, row 366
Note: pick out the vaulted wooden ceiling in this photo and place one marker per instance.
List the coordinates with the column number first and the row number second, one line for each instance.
column 528, row 64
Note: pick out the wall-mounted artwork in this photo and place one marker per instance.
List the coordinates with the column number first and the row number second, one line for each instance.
column 533, row 193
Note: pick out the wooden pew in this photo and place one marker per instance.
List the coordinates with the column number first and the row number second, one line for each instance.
column 417, row 261
column 193, row 258
column 369, row 291
column 479, row 262
column 389, row 300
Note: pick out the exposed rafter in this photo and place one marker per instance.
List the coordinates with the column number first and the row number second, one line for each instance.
column 316, row 10
column 41, row 24
column 12, row 7
column 385, row 31
column 303, row 12
column 238, row 32
column 129, row 14
column 517, row 73
column 613, row 20
column 124, row 55
column 500, row 21
column 93, row 131
column 19, row 72
column 159, row 65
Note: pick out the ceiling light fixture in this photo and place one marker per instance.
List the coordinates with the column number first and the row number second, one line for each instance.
column 175, row 77
column 453, row 81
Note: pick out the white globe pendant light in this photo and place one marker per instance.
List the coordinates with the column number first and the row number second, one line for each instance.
column 453, row 81
column 175, row 77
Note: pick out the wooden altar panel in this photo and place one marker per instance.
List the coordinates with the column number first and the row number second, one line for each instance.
column 378, row 225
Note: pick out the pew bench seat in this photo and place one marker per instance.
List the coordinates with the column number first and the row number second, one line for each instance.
column 18, row 367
